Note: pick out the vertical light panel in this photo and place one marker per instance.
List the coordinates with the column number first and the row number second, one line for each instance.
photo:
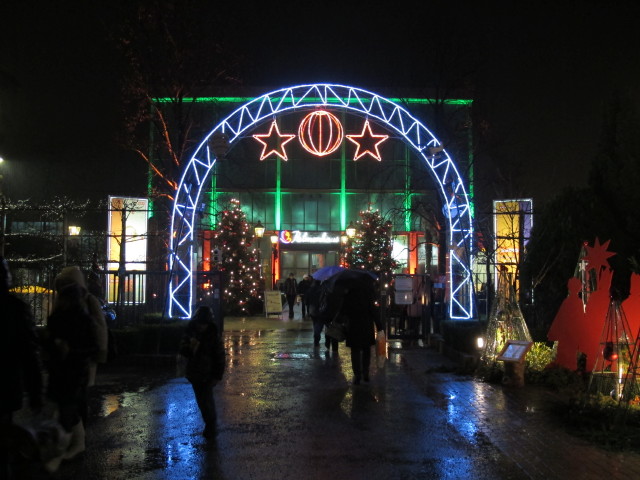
column 278, row 199
column 131, row 215
column 407, row 192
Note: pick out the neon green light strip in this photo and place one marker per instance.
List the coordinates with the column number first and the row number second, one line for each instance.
column 213, row 199
column 407, row 192
column 424, row 101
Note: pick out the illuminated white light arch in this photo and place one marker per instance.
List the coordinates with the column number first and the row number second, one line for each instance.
column 452, row 188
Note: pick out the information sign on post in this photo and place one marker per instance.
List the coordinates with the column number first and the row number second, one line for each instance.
column 513, row 355
column 515, row 351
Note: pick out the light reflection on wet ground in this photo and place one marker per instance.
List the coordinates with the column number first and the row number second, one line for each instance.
column 287, row 410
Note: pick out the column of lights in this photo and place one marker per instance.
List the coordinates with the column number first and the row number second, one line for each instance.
column 275, row 260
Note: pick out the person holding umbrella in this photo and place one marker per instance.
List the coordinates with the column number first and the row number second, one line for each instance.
column 355, row 293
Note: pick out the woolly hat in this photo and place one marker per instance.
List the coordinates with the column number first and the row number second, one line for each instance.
column 69, row 276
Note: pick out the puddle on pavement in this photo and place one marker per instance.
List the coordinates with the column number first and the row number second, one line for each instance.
column 113, row 402
column 293, row 356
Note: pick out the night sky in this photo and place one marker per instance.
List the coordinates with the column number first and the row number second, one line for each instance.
column 542, row 74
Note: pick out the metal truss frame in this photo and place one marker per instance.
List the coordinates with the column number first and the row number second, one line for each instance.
column 236, row 126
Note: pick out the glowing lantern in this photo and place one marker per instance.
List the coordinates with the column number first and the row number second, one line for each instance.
column 320, row 133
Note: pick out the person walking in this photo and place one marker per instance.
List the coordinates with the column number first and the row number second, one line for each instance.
column 303, row 288
column 71, row 344
column 74, row 276
column 21, row 367
column 291, row 291
column 360, row 314
column 203, row 348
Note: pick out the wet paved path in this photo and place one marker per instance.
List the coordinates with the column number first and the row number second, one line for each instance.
column 288, row 411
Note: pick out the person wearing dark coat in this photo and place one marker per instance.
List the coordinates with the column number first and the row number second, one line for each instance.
column 290, row 291
column 21, row 368
column 71, row 345
column 360, row 314
column 204, row 350
column 303, row 288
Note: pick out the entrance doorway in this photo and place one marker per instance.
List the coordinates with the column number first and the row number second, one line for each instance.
column 305, row 262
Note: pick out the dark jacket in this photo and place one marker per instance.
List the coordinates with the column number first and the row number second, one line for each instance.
column 290, row 286
column 362, row 318
column 71, row 345
column 205, row 353
column 20, row 365
column 304, row 286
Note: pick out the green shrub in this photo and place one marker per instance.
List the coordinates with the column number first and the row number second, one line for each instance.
column 539, row 357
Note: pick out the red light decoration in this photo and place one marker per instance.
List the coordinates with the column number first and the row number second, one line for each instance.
column 367, row 142
column 597, row 255
column 274, row 142
column 320, row 133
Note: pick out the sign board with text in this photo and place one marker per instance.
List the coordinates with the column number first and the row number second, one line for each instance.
column 515, row 351
column 272, row 302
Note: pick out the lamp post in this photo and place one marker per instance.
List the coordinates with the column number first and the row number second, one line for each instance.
column 351, row 230
column 259, row 232
column 344, row 241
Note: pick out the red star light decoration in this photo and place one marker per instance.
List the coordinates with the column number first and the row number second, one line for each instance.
column 597, row 255
column 367, row 142
column 274, row 142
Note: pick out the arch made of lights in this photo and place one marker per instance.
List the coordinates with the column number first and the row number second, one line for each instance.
column 236, row 126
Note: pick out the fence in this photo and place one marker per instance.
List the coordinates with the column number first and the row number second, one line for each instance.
column 136, row 296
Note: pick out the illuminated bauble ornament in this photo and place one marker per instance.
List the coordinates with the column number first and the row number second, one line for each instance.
column 609, row 353
column 320, row 133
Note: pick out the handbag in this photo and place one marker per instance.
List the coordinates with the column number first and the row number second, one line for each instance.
column 336, row 330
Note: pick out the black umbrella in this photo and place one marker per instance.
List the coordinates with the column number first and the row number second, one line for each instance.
column 350, row 280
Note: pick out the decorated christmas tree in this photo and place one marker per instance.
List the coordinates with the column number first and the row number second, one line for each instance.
column 371, row 248
column 239, row 262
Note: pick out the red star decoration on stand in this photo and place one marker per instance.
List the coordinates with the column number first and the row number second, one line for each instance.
column 597, row 255
column 367, row 142
column 274, row 142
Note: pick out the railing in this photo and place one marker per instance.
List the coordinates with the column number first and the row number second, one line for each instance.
column 136, row 296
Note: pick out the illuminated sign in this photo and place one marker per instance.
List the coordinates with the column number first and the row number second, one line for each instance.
column 512, row 222
column 367, row 142
column 127, row 247
column 274, row 142
column 320, row 133
column 296, row 236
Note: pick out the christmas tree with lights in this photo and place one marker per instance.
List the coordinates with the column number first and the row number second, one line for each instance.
column 371, row 248
column 239, row 262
